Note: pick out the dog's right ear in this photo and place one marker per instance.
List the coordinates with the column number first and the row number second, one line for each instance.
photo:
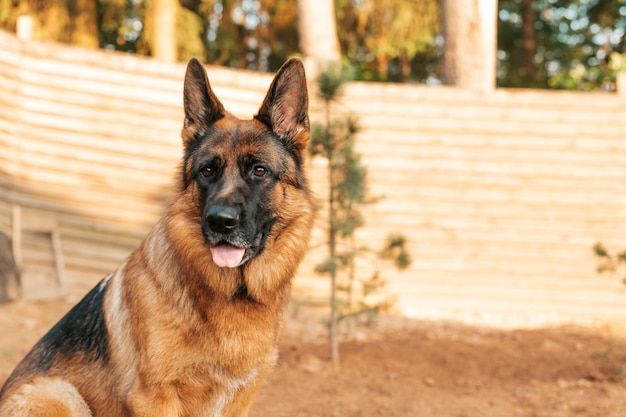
column 202, row 108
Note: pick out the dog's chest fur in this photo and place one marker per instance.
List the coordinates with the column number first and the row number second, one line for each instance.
column 211, row 357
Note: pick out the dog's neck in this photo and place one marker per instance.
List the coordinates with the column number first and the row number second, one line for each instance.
column 211, row 283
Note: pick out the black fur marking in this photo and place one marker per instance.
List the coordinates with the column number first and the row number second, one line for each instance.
column 81, row 331
column 267, row 227
column 242, row 293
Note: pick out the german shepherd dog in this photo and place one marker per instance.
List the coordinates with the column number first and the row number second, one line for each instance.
column 189, row 324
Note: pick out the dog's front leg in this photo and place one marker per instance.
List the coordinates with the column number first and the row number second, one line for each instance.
column 241, row 402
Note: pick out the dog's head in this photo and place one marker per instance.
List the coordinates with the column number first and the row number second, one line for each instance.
column 243, row 173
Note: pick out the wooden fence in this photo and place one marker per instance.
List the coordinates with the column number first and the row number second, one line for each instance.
column 501, row 195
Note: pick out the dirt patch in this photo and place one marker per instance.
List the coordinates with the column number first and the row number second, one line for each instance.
column 401, row 367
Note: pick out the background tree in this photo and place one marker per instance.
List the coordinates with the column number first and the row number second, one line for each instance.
column 389, row 39
column 72, row 22
column 120, row 24
column 257, row 35
column 317, row 29
column 469, row 53
column 162, row 18
column 334, row 140
column 578, row 44
column 170, row 32
column 528, row 50
column 571, row 44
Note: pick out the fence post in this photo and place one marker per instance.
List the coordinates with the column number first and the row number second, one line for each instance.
column 25, row 25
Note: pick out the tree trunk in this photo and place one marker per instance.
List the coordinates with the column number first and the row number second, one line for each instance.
column 529, row 44
column 317, row 29
column 469, row 30
column 164, row 30
column 75, row 23
column 83, row 23
column 333, row 330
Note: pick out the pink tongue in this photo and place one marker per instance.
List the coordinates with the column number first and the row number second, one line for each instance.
column 227, row 256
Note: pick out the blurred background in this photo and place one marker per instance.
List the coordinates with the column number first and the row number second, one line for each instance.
column 496, row 187
column 565, row 44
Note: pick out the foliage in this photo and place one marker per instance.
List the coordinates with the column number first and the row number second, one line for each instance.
column 58, row 20
column 251, row 34
column 239, row 33
column 576, row 44
column 190, row 28
column 352, row 293
column 235, row 33
column 395, row 250
column 389, row 40
column 608, row 262
column 589, row 78
column 562, row 44
column 120, row 24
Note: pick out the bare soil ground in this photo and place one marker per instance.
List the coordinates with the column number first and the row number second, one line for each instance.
column 401, row 367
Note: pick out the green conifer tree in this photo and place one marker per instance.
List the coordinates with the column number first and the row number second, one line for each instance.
column 334, row 140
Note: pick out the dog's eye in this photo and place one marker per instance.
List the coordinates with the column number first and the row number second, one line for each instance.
column 259, row 171
column 207, row 172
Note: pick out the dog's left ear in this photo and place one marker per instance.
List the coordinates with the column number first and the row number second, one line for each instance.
column 285, row 108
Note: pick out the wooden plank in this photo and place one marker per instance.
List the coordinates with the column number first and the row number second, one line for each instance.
column 504, row 192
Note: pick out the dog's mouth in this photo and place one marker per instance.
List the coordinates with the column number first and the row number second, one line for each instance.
column 232, row 254
column 227, row 256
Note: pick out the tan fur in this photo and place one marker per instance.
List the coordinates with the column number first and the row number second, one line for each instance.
column 180, row 342
column 46, row 397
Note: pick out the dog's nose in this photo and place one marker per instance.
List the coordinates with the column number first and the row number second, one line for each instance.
column 223, row 219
